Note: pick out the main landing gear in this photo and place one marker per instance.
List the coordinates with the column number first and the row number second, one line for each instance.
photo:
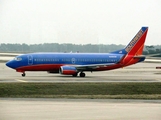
column 82, row 74
column 23, row 74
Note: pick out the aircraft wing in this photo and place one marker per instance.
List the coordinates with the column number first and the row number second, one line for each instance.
column 91, row 66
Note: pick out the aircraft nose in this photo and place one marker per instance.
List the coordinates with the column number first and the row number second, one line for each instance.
column 10, row 64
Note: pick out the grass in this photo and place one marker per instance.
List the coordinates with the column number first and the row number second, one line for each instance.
column 82, row 90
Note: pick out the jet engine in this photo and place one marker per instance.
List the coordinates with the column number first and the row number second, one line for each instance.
column 67, row 70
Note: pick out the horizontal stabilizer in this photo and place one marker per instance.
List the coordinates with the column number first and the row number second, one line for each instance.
column 139, row 56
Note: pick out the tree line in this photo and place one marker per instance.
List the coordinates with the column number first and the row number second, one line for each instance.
column 56, row 47
column 68, row 47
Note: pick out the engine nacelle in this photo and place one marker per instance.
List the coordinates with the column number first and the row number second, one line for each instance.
column 67, row 70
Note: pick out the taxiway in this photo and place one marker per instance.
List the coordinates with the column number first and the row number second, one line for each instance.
column 82, row 109
column 141, row 72
column 79, row 109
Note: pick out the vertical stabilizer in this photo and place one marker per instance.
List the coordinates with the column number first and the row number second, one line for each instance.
column 136, row 45
column 135, row 48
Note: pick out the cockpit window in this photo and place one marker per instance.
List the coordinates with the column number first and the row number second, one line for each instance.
column 17, row 58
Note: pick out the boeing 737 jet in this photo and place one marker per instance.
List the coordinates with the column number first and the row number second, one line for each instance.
column 78, row 63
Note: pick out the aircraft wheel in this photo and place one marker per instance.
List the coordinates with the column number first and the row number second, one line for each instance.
column 23, row 74
column 82, row 74
column 75, row 75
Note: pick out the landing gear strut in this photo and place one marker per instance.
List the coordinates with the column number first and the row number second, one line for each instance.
column 82, row 74
column 75, row 75
column 23, row 74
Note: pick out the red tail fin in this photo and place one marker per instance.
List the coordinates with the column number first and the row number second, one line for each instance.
column 135, row 48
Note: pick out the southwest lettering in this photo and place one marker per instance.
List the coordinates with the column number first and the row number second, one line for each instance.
column 134, row 41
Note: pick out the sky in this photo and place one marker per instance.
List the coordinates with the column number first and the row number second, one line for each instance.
column 79, row 21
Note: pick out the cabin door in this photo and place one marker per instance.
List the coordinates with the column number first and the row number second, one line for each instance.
column 30, row 60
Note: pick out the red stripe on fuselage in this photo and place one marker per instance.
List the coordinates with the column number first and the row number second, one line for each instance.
column 55, row 67
column 40, row 67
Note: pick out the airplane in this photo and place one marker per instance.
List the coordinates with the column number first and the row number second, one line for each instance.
column 78, row 63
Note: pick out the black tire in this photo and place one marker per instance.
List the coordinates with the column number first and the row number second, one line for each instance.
column 23, row 74
column 82, row 74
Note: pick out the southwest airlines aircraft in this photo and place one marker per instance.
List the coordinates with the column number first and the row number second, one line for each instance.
column 77, row 63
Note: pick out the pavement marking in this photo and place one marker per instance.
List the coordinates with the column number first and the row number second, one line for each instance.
column 20, row 80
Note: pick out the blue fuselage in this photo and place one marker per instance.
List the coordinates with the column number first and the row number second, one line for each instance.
column 40, row 59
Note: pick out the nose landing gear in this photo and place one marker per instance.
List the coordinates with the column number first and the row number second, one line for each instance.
column 23, row 74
